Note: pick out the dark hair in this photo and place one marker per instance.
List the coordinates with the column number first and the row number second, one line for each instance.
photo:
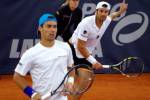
column 105, row 5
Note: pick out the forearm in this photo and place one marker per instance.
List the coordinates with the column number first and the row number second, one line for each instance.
column 85, row 53
column 82, row 49
column 123, row 8
column 20, row 81
column 23, row 84
column 115, row 14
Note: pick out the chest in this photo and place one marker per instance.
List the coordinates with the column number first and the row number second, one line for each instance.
column 50, row 58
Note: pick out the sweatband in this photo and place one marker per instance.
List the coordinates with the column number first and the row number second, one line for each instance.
column 91, row 59
column 29, row 91
column 33, row 94
column 71, row 79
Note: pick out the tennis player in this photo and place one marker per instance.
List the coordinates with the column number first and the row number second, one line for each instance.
column 68, row 16
column 89, row 32
column 46, row 62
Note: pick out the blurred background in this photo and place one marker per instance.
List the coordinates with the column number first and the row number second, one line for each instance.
column 128, row 35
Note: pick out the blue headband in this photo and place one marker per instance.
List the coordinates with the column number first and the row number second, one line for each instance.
column 46, row 17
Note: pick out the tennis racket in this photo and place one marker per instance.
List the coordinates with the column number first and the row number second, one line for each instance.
column 129, row 67
column 83, row 79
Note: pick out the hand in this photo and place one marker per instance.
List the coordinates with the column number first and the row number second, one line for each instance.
column 68, row 87
column 36, row 97
column 123, row 7
column 97, row 65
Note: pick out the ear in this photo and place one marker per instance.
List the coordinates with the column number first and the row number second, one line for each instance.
column 40, row 28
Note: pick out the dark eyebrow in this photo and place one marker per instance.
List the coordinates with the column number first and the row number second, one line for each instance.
column 50, row 17
column 52, row 26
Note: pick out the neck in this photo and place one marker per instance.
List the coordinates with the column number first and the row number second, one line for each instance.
column 98, row 22
column 47, row 43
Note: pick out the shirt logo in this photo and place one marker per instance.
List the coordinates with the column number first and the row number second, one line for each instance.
column 84, row 32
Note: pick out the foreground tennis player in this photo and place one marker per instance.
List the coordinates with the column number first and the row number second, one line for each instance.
column 46, row 62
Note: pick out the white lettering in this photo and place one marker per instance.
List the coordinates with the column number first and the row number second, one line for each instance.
column 88, row 9
column 26, row 44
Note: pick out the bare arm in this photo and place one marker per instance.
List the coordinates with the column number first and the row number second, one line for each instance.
column 22, row 83
column 123, row 8
column 20, row 80
column 81, row 45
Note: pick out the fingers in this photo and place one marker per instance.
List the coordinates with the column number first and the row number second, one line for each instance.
column 97, row 66
column 37, row 96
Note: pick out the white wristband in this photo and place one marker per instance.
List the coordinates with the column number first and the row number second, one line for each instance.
column 71, row 79
column 33, row 95
column 91, row 59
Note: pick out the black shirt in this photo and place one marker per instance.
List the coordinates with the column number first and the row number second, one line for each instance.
column 67, row 21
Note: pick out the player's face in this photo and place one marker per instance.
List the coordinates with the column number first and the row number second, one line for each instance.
column 73, row 4
column 102, row 13
column 48, row 31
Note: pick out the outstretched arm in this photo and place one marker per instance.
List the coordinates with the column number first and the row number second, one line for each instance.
column 123, row 8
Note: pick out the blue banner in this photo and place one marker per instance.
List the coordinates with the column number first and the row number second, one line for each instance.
column 127, row 35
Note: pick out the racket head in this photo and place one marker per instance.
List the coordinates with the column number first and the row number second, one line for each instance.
column 130, row 67
column 83, row 79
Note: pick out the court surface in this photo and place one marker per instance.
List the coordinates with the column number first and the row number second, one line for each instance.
column 105, row 87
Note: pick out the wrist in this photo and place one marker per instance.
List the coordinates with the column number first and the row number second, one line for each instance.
column 29, row 91
column 71, row 80
column 35, row 93
column 91, row 59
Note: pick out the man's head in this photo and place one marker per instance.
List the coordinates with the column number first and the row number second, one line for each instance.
column 102, row 10
column 47, row 27
column 73, row 4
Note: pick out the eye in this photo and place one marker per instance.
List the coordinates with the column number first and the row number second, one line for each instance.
column 50, row 26
column 54, row 26
column 106, row 11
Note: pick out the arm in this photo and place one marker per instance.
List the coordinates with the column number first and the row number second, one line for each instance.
column 81, row 45
column 23, row 84
column 123, row 8
column 20, row 80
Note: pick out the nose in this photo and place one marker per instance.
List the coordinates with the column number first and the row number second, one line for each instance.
column 103, row 13
column 53, row 29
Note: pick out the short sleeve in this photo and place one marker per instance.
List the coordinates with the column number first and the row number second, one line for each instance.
column 24, row 64
column 82, row 31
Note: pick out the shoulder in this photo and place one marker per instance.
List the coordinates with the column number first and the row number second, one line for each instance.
column 78, row 10
column 108, row 18
column 88, row 20
column 63, row 8
column 31, row 51
column 63, row 45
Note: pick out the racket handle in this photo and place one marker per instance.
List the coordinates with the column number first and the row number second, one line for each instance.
column 48, row 94
column 106, row 66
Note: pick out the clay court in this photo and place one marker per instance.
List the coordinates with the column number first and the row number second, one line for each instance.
column 105, row 87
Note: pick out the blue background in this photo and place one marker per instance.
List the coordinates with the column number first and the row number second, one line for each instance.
column 19, row 19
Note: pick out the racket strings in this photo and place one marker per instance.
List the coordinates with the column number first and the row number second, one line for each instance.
column 83, row 79
column 132, row 67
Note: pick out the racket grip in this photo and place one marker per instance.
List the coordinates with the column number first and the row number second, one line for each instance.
column 106, row 66
column 45, row 96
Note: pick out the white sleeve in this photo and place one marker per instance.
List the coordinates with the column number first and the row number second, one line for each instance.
column 82, row 31
column 24, row 64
